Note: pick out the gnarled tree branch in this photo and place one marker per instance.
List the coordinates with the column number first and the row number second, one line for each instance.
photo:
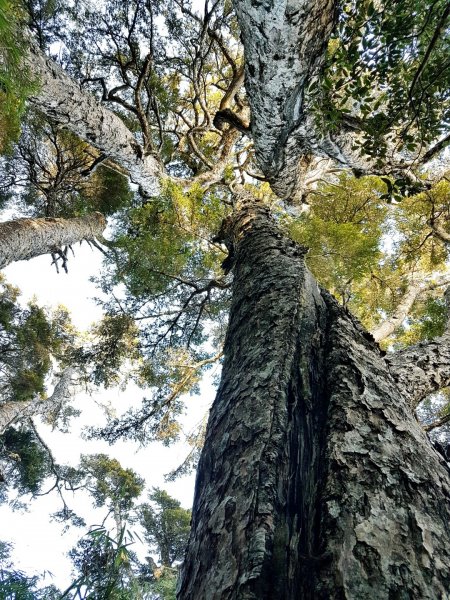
column 64, row 101
column 422, row 369
column 439, row 231
column 415, row 289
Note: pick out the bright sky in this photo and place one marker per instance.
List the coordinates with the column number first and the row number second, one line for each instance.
column 39, row 543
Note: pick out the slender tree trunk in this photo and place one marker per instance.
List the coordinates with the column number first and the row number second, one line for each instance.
column 414, row 290
column 26, row 238
column 11, row 412
column 315, row 481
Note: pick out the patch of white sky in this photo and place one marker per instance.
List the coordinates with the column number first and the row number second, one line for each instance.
column 40, row 544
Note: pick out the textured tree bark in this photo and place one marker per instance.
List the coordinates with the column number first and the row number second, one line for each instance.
column 284, row 43
column 62, row 99
column 11, row 412
column 26, row 238
column 422, row 369
column 315, row 481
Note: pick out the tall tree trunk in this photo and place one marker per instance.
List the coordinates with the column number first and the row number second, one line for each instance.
column 26, row 238
column 315, row 481
column 284, row 45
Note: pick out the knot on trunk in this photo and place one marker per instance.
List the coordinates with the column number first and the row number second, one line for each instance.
column 225, row 236
column 227, row 116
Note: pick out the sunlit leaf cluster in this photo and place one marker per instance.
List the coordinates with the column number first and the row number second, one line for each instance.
column 369, row 253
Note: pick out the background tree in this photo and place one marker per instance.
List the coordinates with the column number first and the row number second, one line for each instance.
column 166, row 526
column 15, row 585
column 30, row 339
column 107, row 566
column 112, row 486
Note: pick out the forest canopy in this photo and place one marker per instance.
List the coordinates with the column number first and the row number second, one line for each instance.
column 155, row 118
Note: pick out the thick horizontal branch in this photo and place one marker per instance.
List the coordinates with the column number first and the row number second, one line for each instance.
column 439, row 231
column 64, row 101
column 422, row 369
column 438, row 423
column 23, row 239
column 234, row 87
column 435, row 150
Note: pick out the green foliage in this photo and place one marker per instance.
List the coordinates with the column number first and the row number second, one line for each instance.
column 388, row 65
column 45, row 18
column 15, row 81
column 413, row 219
column 343, row 231
column 110, row 484
column 165, row 584
column 29, row 463
column 106, row 566
column 368, row 252
column 426, row 321
column 167, row 375
column 164, row 259
column 171, row 287
column 166, row 238
column 114, row 341
column 108, row 193
column 29, row 338
column 409, row 252
column 167, row 293
column 166, row 525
